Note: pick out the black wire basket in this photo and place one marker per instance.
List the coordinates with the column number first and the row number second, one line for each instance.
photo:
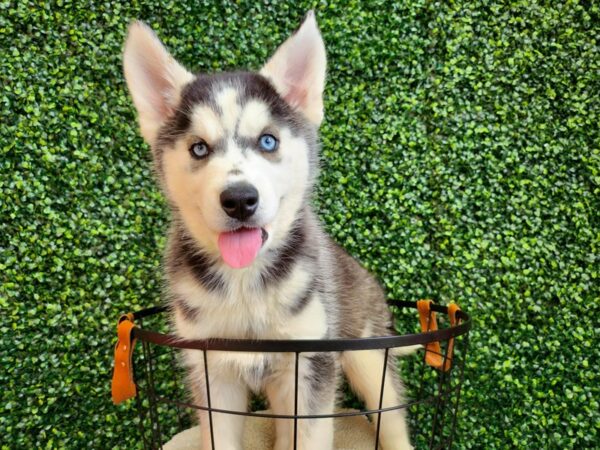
column 432, row 376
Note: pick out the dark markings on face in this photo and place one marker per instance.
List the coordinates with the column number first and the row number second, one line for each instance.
column 217, row 146
column 251, row 144
column 249, row 86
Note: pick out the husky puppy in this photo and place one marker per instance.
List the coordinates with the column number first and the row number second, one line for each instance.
column 237, row 157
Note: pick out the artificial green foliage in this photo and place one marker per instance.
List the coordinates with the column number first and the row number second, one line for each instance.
column 461, row 161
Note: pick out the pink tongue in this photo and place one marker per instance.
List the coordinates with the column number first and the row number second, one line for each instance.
column 240, row 247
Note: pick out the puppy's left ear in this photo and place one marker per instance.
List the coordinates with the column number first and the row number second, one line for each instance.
column 297, row 69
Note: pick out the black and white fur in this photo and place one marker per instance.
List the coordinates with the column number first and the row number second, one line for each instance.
column 301, row 285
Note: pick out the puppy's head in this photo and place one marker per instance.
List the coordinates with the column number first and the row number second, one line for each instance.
column 236, row 153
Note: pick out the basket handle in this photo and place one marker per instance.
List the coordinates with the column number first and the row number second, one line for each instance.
column 123, row 386
column 433, row 351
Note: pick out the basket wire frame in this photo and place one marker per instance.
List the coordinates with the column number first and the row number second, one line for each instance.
column 164, row 410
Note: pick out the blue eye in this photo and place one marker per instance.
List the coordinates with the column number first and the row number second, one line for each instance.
column 268, row 143
column 199, row 150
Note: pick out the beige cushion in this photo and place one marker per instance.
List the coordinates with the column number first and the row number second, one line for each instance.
column 351, row 433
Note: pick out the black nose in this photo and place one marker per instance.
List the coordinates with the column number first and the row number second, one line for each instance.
column 240, row 200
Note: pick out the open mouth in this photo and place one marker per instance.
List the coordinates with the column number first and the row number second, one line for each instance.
column 240, row 247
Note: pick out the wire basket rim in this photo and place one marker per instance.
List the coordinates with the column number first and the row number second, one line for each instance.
column 305, row 345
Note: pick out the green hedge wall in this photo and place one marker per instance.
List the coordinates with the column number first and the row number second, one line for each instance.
column 460, row 161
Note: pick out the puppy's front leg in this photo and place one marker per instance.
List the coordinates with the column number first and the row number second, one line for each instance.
column 317, row 375
column 364, row 370
column 227, row 391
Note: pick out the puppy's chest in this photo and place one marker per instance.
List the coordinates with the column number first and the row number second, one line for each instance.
column 245, row 318
column 245, row 313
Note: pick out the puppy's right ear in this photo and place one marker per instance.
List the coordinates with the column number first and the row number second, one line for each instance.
column 154, row 78
column 297, row 69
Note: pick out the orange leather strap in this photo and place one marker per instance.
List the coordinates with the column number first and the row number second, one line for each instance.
column 433, row 352
column 452, row 308
column 123, row 386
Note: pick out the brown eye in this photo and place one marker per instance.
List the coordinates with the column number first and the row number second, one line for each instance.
column 199, row 150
